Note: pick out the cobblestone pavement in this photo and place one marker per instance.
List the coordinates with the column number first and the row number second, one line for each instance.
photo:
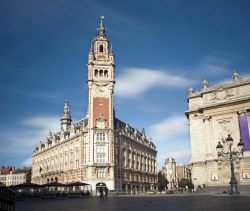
column 139, row 203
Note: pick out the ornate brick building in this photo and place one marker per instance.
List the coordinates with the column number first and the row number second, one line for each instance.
column 100, row 149
column 213, row 113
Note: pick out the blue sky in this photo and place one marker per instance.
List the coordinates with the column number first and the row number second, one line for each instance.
column 161, row 48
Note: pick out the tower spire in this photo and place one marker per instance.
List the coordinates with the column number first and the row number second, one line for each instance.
column 101, row 21
column 66, row 118
column 101, row 29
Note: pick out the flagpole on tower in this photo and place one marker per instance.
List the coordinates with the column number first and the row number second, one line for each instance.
column 102, row 17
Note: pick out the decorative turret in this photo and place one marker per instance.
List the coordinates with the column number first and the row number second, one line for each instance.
column 204, row 84
column 235, row 76
column 190, row 90
column 66, row 118
column 143, row 133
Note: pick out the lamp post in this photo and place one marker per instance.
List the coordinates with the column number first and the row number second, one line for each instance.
column 230, row 155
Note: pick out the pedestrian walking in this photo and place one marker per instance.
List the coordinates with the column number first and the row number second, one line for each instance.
column 106, row 193
column 101, row 194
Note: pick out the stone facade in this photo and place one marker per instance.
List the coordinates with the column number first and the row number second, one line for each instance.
column 169, row 170
column 100, row 149
column 213, row 113
column 15, row 177
column 182, row 172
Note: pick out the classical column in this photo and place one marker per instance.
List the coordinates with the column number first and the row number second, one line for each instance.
column 244, row 131
column 208, row 131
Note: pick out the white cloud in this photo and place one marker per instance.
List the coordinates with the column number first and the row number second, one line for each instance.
column 171, row 138
column 180, row 154
column 27, row 162
column 43, row 123
column 136, row 81
column 213, row 65
column 31, row 131
column 169, row 128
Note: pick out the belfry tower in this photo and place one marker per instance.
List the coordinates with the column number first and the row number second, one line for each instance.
column 100, row 109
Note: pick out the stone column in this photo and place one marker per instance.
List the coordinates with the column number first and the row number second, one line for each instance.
column 207, row 125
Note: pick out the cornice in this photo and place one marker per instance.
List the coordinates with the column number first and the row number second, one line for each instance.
column 58, row 144
column 233, row 84
column 213, row 105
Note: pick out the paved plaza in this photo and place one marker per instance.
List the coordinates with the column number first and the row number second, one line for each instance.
column 139, row 203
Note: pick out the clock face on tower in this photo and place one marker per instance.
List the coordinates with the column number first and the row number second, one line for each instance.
column 101, row 91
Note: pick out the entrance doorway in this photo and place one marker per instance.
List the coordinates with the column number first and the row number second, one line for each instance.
column 101, row 186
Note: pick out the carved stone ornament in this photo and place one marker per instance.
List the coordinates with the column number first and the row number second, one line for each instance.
column 225, row 128
column 101, row 122
column 221, row 95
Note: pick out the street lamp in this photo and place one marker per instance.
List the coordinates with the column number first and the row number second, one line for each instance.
column 230, row 155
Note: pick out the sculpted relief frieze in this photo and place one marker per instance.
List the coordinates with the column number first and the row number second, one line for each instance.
column 225, row 128
column 221, row 95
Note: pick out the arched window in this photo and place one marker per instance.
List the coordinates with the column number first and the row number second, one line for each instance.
column 106, row 73
column 101, row 73
column 96, row 72
column 101, row 48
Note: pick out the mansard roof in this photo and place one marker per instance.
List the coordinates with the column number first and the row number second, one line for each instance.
column 56, row 137
column 125, row 129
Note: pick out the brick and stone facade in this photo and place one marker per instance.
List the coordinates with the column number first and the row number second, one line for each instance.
column 100, row 149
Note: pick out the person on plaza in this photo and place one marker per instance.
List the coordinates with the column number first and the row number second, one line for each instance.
column 106, row 192
column 101, row 194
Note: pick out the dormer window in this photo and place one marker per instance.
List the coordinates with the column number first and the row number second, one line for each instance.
column 101, row 48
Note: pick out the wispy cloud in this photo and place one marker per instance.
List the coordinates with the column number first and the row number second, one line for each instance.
column 180, row 154
column 41, row 95
column 171, row 138
column 27, row 162
column 42, row 122
column 27, row 136
column 136, row 81
column 169, row 128
column 213, row 65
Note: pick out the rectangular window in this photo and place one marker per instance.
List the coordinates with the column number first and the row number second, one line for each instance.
column 100, row 173
column 100, row 149
column 100, row 159
column 100, row 137
column 77, row 154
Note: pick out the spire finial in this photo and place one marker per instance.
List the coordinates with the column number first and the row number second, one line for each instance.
column 190, row 90
column 101, row 21
column 66, row 118
column 204, row 84
column 235, row 75
column 66, row 107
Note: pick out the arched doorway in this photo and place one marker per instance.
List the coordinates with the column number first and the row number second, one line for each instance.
column 99, row 186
